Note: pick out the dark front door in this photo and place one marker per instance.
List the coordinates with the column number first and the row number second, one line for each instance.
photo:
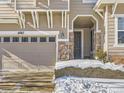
column 77, row 45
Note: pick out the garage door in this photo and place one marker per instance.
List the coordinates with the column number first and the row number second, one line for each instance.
column 34, row 50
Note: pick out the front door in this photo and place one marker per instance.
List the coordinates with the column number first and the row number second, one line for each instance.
column 77, row 45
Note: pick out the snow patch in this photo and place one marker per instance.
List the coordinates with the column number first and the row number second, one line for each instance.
column 81, row 85
column 88, row 64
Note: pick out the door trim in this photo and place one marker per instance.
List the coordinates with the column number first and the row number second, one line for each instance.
column 82, row 41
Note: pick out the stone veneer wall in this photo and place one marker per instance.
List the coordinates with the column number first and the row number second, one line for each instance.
column 66, row 49
column 99, row 40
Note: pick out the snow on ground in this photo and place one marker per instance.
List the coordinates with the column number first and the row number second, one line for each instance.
column 88, row 63
column 86, row 85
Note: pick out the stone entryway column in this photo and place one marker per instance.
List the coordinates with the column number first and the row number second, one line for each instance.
column 66, row 48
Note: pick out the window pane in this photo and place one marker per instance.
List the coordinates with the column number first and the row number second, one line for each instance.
column 121, row 37
column 42, row 39
column 6, row 39
column 33, row 39
column 121, row 23
column 24, row 39
column 4, row 1
column 15, row 39
column 89, row 1
column 52, row 39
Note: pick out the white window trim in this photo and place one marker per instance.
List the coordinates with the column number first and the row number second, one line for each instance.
column 116, row 31
column 89, row 1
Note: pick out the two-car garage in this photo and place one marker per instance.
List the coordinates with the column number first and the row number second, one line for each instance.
column 39, row 48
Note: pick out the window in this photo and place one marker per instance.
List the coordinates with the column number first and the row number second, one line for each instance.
column 15, row 39
column 33, row 39
column 120, row 30
column 24, row 39
column 42, row 39
column 5, row 1
column 89, row 1
column 52, row 39
column 6, row 39
column 27, row 39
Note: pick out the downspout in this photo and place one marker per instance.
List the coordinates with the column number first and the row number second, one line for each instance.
column 106, row 30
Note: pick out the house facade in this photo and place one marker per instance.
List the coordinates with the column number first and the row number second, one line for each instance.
column 44, row 31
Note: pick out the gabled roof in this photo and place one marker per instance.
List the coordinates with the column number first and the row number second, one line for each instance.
column 104, row 2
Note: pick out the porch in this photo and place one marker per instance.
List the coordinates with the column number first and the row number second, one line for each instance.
column 84, row 28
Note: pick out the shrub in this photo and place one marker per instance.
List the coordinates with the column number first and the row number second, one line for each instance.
column 101, row 55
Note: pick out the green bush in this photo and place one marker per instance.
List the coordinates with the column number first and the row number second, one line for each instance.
column 101, row 55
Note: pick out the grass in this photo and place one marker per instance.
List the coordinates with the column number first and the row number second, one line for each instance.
column 90, row 73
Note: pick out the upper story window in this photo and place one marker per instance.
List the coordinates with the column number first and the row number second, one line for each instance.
column 120, row 30
column 89, row 1
column 5, row 1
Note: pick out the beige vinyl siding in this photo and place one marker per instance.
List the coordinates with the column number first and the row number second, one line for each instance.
column 113, row 50
column 29, row 22
column 57, row 23
column 59, row 4
column 54, row 4
column 25, row 4
column 43, row 20
column 87, row 42
column 120, row 9
column 79, row 8
column 7, row 14
column 39, row 2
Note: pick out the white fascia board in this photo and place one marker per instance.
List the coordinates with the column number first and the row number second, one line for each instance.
column 29, row 33
column 42, row 10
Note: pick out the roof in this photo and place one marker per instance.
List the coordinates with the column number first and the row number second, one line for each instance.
column 100, row 2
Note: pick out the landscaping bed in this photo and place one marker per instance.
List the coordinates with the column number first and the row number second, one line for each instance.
column 90, row 73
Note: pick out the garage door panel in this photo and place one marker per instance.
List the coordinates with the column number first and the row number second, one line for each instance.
column 34, row 53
